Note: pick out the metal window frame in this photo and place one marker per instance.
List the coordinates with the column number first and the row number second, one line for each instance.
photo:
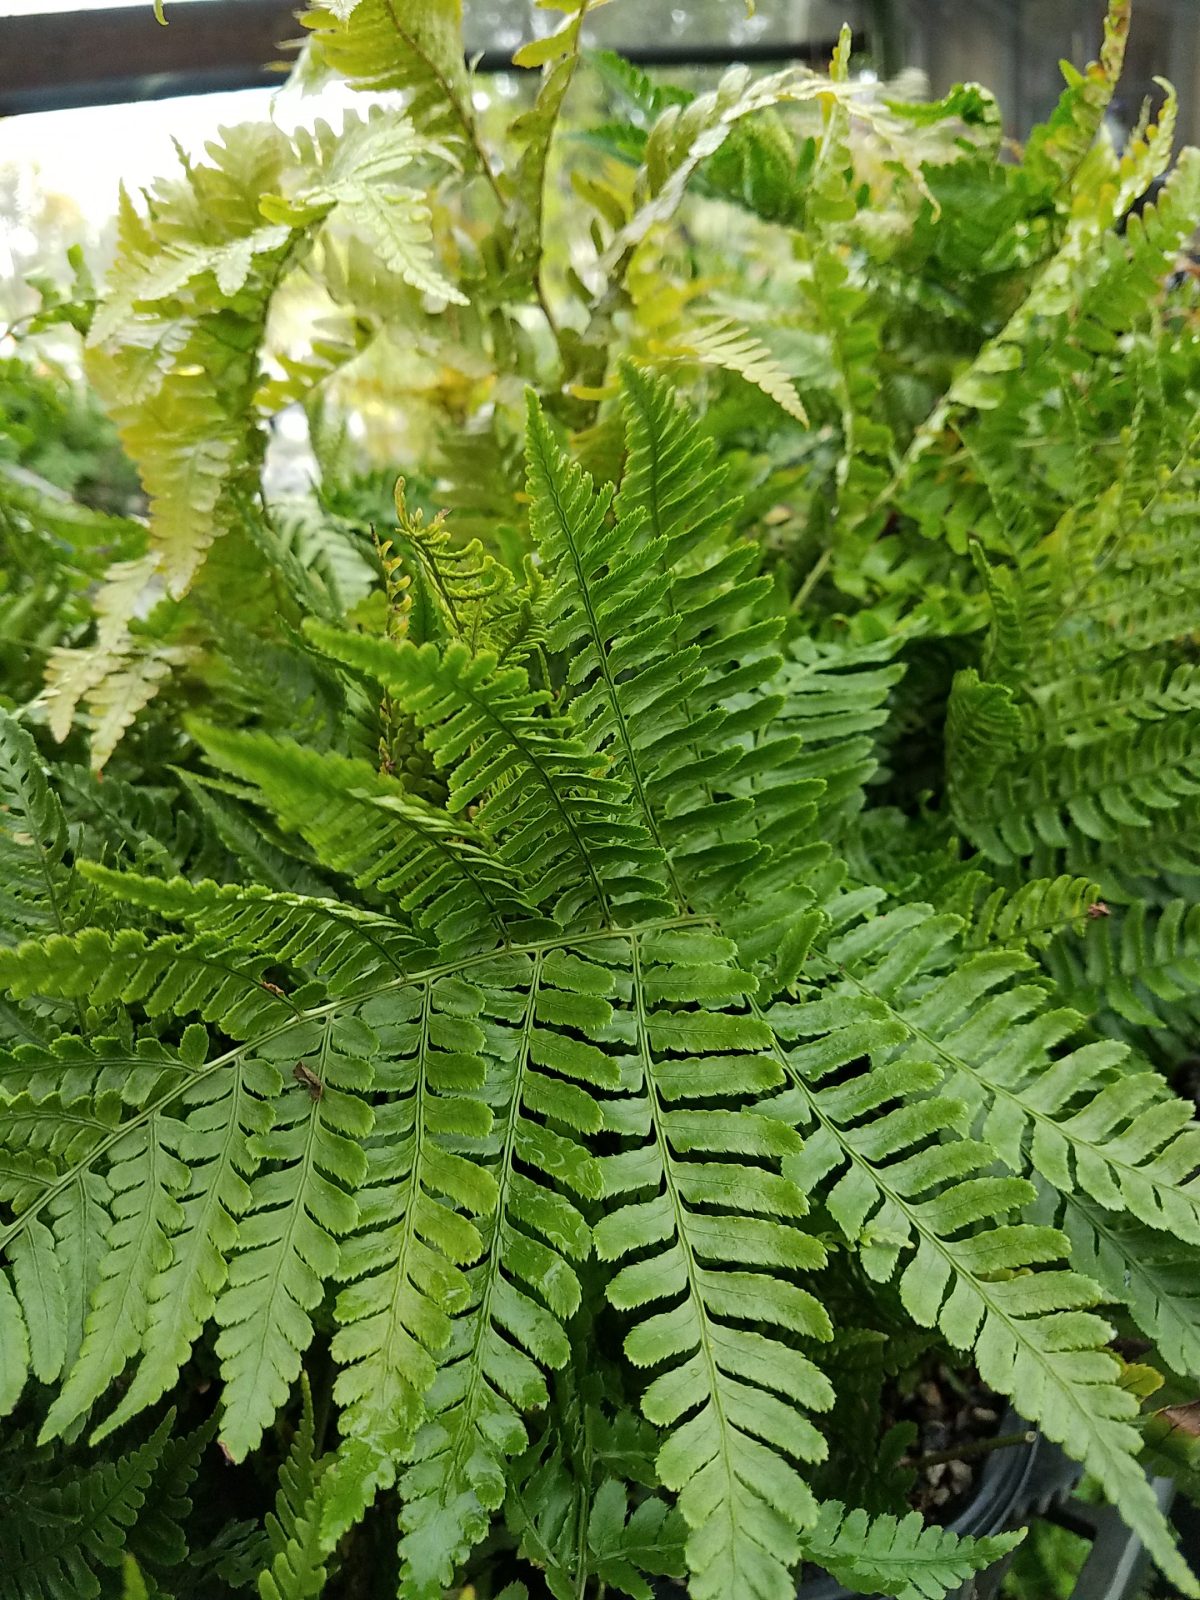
column 54, row 60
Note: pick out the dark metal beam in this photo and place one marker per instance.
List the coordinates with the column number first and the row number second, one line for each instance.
column 54, row 60
column 89, row 58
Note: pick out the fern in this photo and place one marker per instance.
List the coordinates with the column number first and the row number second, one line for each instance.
column 1025, row 1324
column 731, row 1460
column 296, row 1568
column 295, row 1214
column 37, row 880
column 723, row 343
column 567, row 1001
column 73, row 1532
column 175, row 348
column 412, row 853
column 1140, row 967
column 560, row 825
column 375, row 47
column 899, row 1557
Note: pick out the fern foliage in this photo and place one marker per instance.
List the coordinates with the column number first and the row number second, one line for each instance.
column 583, row 981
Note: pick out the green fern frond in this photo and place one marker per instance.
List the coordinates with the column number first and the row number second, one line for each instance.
column 475, row 595
column 1058, row 146
column 573, row 1531
column 1017, row 781
column 218, row 1119
column 298, row 1208
column 1150, row 1273
column 834, row 698
column 533, row 786
column 280, row 861
column 510, row 1331
column 436, row 871
column 297, row 1569
column 420, row 53
column 901, row 1556
column 732, row 1396
column 405, row 1273
column 70, row 1534
column 164, row 975
column 128, row 823
column 870, row 1132
column 349, row 949
column 1086, row 1118
column 1033, row 914
column 558, row 54
column 145, row 1178
column 705, row 632
column 36, row 892
column 1048, row 313
column 627, row 686
column 1137, row 962
column 647, row 97
column 57, row 1236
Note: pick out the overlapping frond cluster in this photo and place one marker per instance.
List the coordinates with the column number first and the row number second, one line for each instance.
column 609, row 1031
column 73, row 1535
column 174, row 351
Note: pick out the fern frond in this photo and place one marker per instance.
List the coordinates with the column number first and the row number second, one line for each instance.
column 281, row 862
column 35, row 891
column 834, row 698
column 377, row 47
column 1057, row 147
column 146, row 1179
column 869, row 1134
column 179, row 392
column 128, row 823
column 1012, row 790
column 1141, row 963
column 510, row 1330
column 535, row 788
column 1153, row 1275
column 71, row 1533
column 533, row 133
column 296, row 1212
column 405, row 1269
column 722, row 1245
column 1088, row 1119
column 724, row 342
column 901, row 1556
column 353, row 181
column 1034, row 913
column 60, row 1223
column 167, row 975
column 1081, row 262
column 435, row 870
column 571, row 1529
column 219, row 1118
column 350, row 950
column 627, row 687
column 711, row 638
column 297, row 1569
column 476, row 596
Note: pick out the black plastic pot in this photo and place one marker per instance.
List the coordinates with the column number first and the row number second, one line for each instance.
column 1118, row 1563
